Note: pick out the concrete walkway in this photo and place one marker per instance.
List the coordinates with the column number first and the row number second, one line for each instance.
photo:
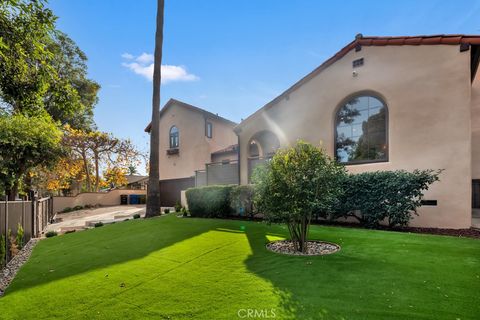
column 82, row 219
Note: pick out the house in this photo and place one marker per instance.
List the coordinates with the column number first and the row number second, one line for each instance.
column 386, row 103
column 190, row 137
column 136, row 182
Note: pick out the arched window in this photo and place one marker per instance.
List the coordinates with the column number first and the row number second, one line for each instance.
column 361, row 131
column 174, row 140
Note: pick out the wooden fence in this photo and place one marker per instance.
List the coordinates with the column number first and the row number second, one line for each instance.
column 33, row 216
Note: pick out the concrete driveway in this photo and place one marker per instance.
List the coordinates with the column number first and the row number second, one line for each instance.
column 82, row 219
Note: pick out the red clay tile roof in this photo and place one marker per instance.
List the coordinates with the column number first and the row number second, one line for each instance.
column 451, row 39
column 189, row 106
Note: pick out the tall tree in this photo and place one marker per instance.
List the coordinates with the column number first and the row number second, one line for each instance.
column 153, row 196
column 25, row 143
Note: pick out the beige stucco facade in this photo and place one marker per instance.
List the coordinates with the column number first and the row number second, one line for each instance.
column 433, row 118
column 195, row 148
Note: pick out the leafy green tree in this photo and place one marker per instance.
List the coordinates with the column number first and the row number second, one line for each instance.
column 298, row 182
column 41, row 67
column 25, row 29
column 25, row 143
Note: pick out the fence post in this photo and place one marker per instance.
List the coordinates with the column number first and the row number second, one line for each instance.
column 32, row 198
column 6, row 229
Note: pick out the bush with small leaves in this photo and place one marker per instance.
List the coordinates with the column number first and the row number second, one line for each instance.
column 3, row 251
column 98, row 224
column 241, row 199
column 66, row 210
column 136, row 216
column 184, row 211
column 20, row 234
column 13, row 245
column 209, row 201
column 384, row 196
column 50, row 234
column 77, row 208
column 178, row 207
column 166, row 211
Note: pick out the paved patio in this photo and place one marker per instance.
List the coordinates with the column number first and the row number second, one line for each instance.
column 82, row 219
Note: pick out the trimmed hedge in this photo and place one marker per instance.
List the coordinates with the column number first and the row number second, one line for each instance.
column 241, row 200
column 384, row 196
column 209, row 201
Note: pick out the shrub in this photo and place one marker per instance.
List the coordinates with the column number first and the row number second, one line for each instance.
column 296, row 184
column 393, row 196
column 50, row 234
column 70, row 231
column 126, row 219
column 241, row 199
column 209, row 201
column 136, row 216
column 98, row 224
column 166, row 211
column 77, row 208
column 178, row 207
column 184, row 211
column 20, row 234
column 3, row 251
column 13, row 246
column 66, row 210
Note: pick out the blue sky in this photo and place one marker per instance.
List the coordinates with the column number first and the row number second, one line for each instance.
column 230, row 56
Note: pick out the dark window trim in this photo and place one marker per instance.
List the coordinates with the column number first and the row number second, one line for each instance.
column 207, row 123
column 387, row 127
column 170, row 134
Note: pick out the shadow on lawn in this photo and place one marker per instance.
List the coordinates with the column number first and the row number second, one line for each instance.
column 68, row 255
column 292, row 277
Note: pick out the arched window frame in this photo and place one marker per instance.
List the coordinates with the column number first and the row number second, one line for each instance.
column 335, row 124
column 174, row 137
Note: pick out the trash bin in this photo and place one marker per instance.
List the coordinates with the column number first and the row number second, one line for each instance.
column 142, row 199
column 134, row 199
column 123, row 199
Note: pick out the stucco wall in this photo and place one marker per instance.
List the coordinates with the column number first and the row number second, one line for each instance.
column 110, row 198
column 427, row 91
column 194, row 147
column 476, row 128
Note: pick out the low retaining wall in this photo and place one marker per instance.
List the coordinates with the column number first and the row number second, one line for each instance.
column 110, row 198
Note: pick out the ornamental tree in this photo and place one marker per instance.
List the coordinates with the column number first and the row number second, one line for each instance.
column 297, row 183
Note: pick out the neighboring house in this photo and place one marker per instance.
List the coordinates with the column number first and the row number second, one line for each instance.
column 386, row 103
column 136, row 182
column 189, row 139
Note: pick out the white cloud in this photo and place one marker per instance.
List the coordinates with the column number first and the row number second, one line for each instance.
column 127, row 56
column 143, row 65
column 145, row 58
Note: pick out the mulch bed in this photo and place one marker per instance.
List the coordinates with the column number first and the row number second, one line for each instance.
column 461, row 233
column 314, row 248
column 10, row 270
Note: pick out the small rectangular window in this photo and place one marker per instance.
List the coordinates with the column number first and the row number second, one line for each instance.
column 208, row 129
column 357, row 63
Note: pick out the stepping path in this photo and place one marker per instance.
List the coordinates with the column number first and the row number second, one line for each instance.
column 81, row 219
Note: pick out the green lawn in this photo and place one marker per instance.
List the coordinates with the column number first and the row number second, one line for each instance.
column 172, row 268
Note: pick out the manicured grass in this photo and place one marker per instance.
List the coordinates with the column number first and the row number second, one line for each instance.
column 172, row 268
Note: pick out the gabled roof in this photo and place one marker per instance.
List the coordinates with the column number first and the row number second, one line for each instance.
column 454, row 39
column 132, row 178
column 190, row 107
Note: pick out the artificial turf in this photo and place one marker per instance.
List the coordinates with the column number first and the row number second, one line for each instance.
column 176, row 268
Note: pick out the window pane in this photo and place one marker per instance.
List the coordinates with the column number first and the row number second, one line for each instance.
column 361, row 130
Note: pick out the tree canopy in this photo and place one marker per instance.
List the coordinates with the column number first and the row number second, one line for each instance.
column 295, row 184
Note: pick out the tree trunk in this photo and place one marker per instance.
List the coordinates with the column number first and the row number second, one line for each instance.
column 97, row 173
column 87, row 171
column 153, row 192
